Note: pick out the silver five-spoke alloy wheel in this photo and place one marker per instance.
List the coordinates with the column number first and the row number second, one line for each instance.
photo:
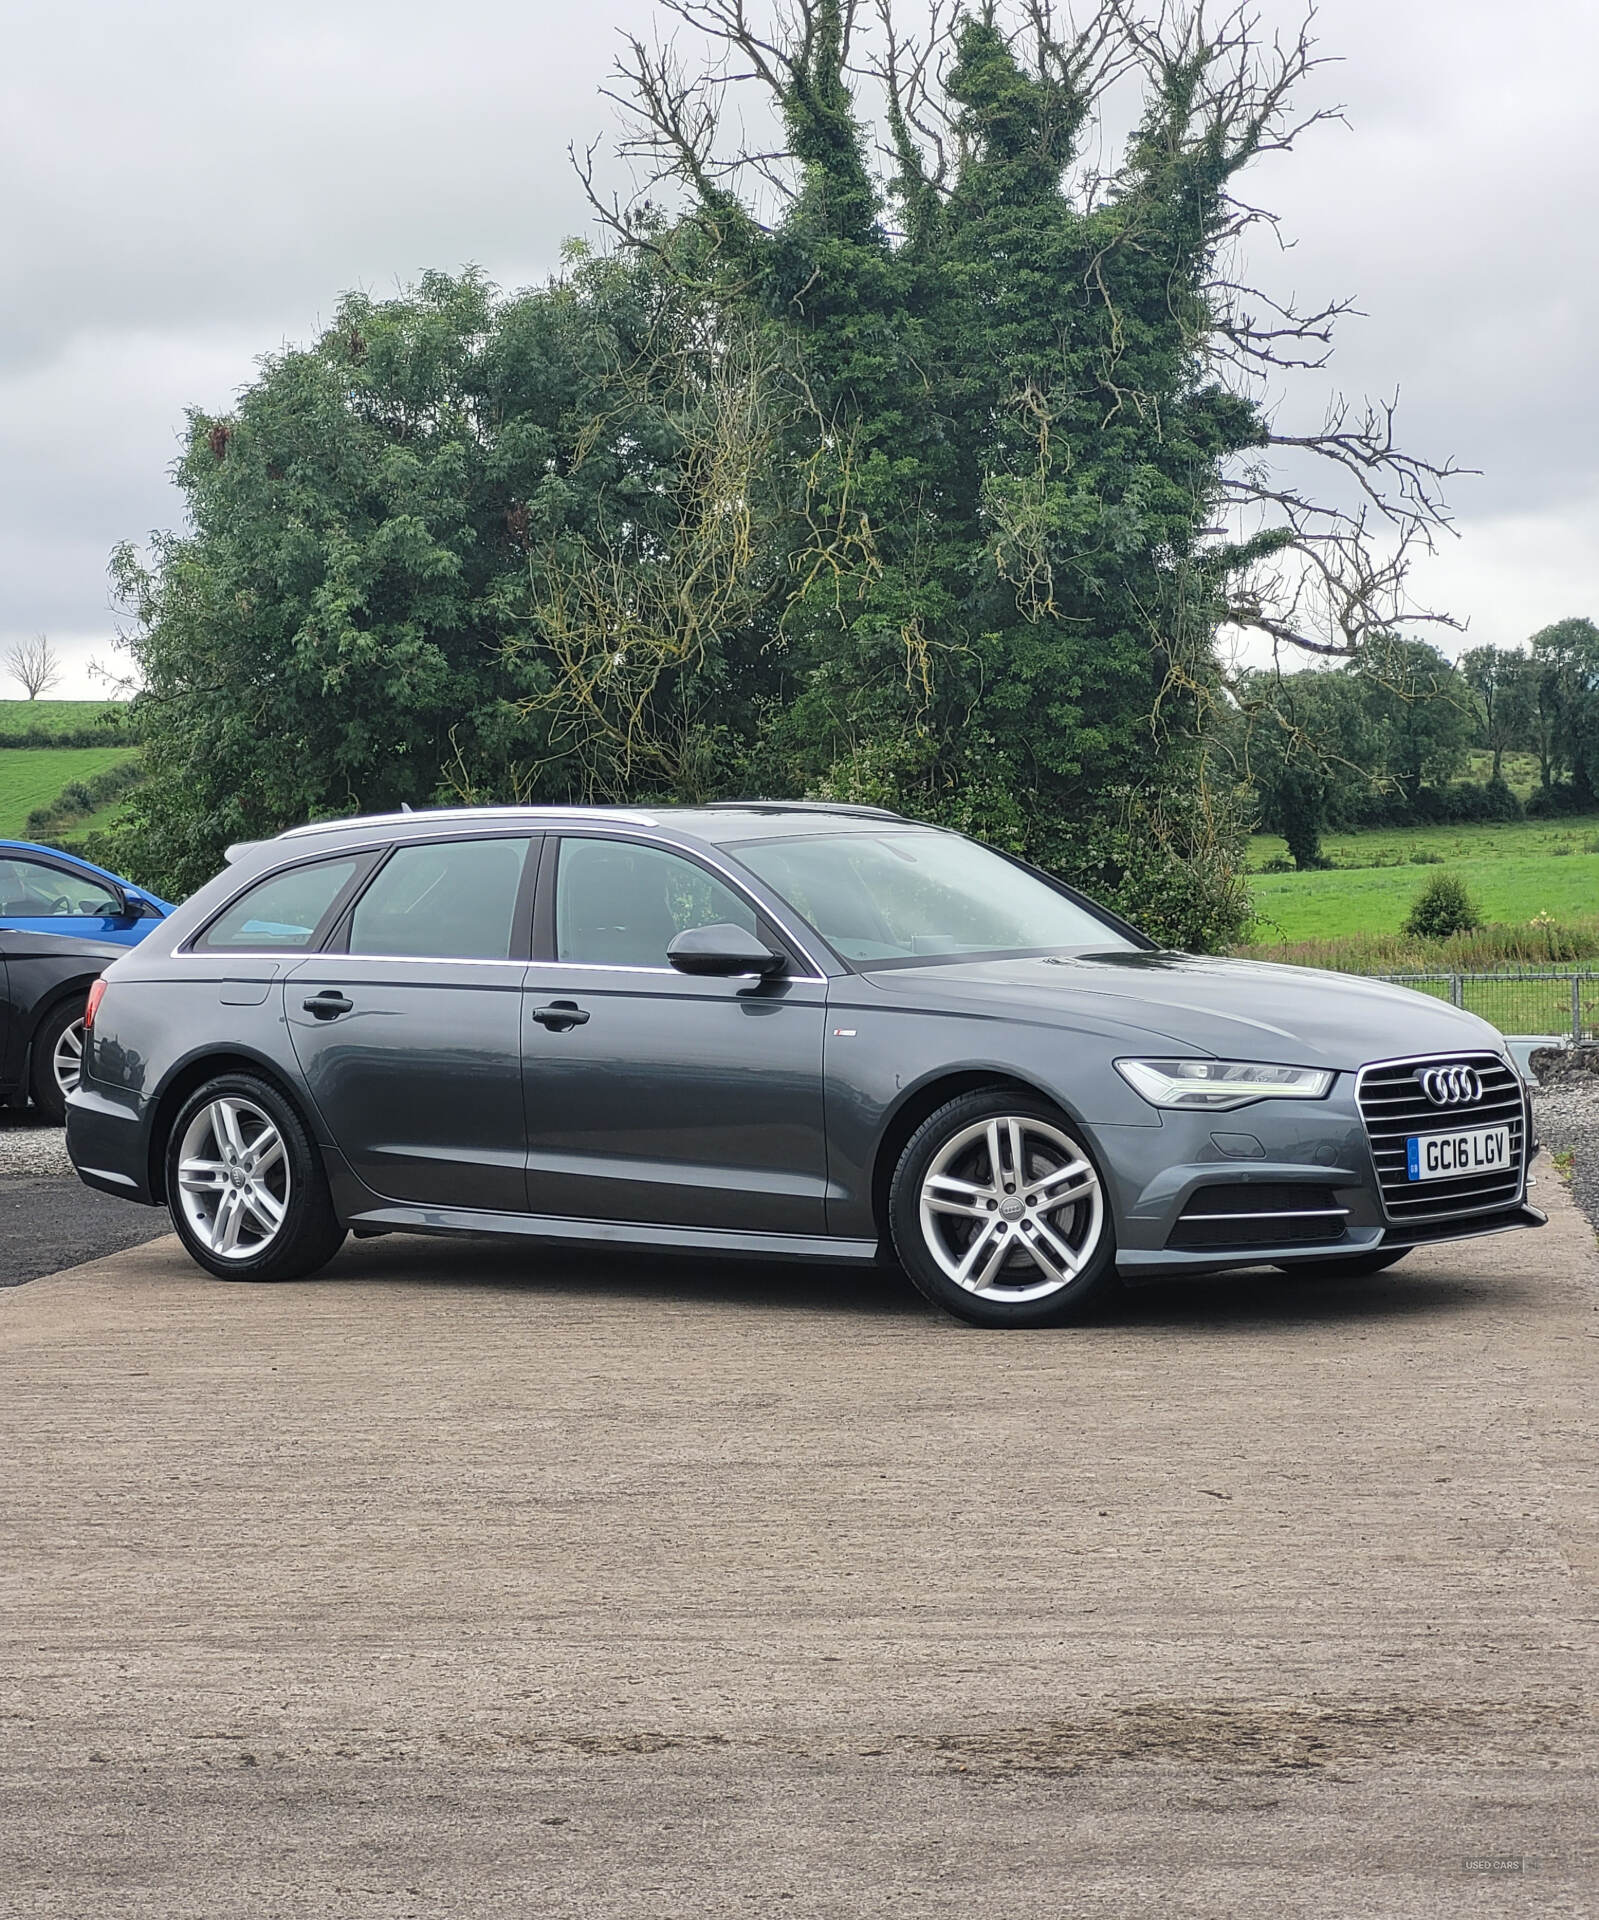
column 1011, row 1209
column 66, row 1060
column 233, row 1178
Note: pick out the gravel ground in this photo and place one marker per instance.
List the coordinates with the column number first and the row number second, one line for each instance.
column 48, row 1219
column 1567, row 1121
column 28, row 1146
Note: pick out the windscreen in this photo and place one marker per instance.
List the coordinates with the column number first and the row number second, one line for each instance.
column 911, row 894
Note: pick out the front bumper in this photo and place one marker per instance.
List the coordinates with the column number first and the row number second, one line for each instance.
column 1274, row 1184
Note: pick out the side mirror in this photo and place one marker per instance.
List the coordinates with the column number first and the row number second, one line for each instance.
column 723, row 951
column 128, row 905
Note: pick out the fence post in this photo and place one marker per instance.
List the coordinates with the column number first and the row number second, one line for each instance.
column 1576, row 1009
column 1456, row 998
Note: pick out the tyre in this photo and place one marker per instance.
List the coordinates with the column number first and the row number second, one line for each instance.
column 998, row 1212
column 57, row 1060
column 245, row 1184
column 1352, row 1267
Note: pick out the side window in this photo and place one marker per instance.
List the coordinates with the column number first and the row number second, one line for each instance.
column 447, row 900
column 30, row 890
column 621, row 905
column 284, row 911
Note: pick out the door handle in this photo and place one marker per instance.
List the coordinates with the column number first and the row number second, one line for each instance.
column 559, row 1015
column 328, row 1005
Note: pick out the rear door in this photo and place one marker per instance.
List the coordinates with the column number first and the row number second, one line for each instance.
column 409, row 1035
column 667, row 1099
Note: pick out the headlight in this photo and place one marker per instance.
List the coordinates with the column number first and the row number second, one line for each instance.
column 1215, row 1085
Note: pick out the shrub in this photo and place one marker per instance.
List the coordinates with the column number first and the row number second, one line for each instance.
column 1278, row 863
column 1424, row 857
column 1442, row 908
column 1546, row 803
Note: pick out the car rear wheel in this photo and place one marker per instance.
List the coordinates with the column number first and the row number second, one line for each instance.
column 58, row 1060
column 245, row 1184
column 998, row 1212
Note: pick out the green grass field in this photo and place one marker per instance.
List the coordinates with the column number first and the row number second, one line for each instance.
column 33, row 776
column 1514, row 871
column 52, row 716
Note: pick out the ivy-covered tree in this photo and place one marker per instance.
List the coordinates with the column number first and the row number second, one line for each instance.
column 1044, row 392
column 906, row 458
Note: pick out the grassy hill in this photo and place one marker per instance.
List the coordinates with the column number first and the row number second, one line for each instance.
column 36, row 776
column 33, row 776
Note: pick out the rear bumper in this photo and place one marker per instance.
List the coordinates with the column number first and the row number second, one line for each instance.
column 109, row 1146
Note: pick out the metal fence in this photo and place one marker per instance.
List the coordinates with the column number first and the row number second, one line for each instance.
column 1555, row 1004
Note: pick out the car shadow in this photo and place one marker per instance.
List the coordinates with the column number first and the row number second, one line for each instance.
column 1259, row 1296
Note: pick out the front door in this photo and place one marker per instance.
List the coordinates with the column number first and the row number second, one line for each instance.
column 48, row 896
column 669, row 1099
column 410, row 1038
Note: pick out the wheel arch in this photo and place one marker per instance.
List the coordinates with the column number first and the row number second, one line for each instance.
column 194, row 1073
column 920, row 1102
column 58, row 996
column 62, row 994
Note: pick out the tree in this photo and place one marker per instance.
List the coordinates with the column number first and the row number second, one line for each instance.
column 927, row 478
column 1306, row 744
column 35, row 665
column 1048, row 386
column 1567, row 660
column 1503, row 680
column 1423, row 708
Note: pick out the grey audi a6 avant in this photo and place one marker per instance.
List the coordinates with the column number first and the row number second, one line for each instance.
column 767, row 1029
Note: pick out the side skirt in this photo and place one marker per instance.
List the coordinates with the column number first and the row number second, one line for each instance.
column 614, row 1233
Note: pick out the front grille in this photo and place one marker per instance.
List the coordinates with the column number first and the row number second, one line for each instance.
column 1395, row 1109
column 1267, row 1214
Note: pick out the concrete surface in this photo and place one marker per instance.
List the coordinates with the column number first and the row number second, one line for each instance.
column 468, row 1582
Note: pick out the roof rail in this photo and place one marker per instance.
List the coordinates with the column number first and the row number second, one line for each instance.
column 799, row 806
column 465, row 814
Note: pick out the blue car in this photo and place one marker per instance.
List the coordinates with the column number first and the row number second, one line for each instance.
column 42, row 891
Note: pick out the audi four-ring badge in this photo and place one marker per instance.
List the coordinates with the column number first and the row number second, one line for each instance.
column 1451, row 1086
column 768, row 1029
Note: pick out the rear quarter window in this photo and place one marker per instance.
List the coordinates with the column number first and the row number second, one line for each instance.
column 285, row 911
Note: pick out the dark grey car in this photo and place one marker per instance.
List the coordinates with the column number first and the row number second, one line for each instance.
column 821, row 1032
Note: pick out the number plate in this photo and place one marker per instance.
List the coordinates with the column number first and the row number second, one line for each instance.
column 1452, row 1156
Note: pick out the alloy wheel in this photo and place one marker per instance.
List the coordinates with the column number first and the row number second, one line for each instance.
column 66, row 1061
column 1011, row 1209
column 233, row 1178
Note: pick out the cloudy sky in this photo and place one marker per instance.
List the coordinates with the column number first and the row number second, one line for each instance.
column 187, row 184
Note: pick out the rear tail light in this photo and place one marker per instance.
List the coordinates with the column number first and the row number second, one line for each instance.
column 96, row 995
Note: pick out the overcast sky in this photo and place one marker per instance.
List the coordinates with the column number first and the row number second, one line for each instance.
column 188, row 184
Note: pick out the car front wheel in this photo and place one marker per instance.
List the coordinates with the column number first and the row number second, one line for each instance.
column 245, row 1184
column 999, row 1213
